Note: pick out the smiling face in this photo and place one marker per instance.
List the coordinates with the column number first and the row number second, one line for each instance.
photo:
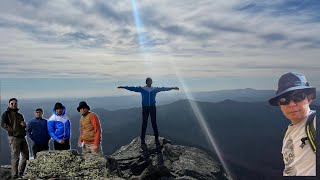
column 296, row 111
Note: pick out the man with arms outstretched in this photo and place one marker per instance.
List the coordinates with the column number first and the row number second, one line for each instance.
column 148, row 94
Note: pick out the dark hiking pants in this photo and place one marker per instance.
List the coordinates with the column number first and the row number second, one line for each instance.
column 146, row 111
column 64, row 146
column 39, row 147
column 18, row 145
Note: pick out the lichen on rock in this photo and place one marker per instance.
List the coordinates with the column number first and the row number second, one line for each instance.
column 66, row 164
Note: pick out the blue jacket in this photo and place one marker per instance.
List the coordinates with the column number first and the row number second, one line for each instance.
column 148, row 93
column 37, row 131
column 59, row 126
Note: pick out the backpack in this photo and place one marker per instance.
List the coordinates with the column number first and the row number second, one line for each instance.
column 310, row 132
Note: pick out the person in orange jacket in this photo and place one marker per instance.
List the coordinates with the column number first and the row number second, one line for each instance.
column 90, row 130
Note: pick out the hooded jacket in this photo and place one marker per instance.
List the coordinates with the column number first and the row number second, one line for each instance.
column 59, row 126
column 10, row 121
column 148, row 93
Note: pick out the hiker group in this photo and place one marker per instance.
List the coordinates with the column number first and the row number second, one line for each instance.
column 58, row 127
column 40, row 131
column 294, row 96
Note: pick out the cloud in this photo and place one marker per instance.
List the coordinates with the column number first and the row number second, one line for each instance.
column 274, row 37
column 99, row 38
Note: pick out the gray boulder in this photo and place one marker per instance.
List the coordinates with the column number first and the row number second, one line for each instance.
column 165, row 162
column 66, row 164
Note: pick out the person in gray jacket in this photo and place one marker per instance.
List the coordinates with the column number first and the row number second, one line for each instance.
column 13, row 122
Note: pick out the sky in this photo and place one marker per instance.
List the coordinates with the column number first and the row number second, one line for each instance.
column 80, row 48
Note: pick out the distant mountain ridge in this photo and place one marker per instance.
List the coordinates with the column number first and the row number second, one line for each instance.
column 244, row 131
column 125, row 102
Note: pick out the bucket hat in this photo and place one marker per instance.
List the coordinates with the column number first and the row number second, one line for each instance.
column 289, row 82
column 82, row 104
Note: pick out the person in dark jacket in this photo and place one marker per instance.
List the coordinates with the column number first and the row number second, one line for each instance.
column 13, row 122
column 59, row 127
column 148, row 94
column 37, row 131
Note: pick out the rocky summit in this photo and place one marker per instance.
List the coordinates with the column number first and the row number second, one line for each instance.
column 133, row 161
column 166, row 161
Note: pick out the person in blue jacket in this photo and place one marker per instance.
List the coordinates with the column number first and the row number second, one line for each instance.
column 148, row 94
column 37, row 131
column 59, row 127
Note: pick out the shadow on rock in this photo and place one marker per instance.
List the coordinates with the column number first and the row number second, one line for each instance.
column 166, row 161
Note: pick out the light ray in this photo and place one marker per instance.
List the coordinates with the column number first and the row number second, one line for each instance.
column 201, row 120
column 196, row 110
column 143, row 48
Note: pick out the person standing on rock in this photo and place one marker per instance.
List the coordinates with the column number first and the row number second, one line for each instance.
column 148, row 94
column 59, row 127
column 37, row 131
column 13, row 122
column 90, row 131
column 294, row 96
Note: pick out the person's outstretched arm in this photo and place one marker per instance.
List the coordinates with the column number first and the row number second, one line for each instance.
column 159, row 89
column 131, row 88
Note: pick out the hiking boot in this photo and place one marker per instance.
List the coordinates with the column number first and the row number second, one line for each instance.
column 20, row 175
column 143, row 142
column 143, row 146
column 157, row 142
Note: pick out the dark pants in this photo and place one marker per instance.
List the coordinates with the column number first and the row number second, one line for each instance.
column 146, row 111
column 39, row 147
column 64, row 146
column 18, row 145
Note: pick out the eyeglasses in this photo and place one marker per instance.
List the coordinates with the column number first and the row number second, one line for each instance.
column 13, row 103
column 296, row 97
column 38, row 112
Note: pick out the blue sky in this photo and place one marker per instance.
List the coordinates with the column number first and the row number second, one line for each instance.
column 87, row 48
